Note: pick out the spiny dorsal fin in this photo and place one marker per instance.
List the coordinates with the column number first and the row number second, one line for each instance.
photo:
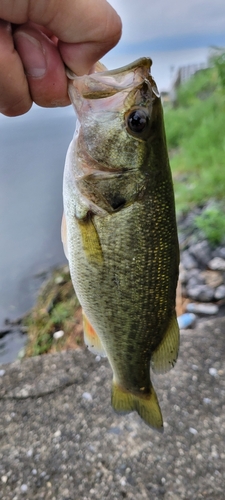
column 91, row 339
column 99, row 67
column 165, row 356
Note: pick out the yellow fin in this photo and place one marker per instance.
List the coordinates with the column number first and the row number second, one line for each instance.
column 165, row 356
column 147, row 406
column 91, row 244
column 91, row 339
column 64, row 235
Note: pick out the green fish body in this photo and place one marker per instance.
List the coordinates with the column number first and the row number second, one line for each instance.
column 119, row 230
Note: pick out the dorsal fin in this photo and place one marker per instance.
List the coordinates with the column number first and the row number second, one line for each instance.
column 165, row 356
column 99, row 67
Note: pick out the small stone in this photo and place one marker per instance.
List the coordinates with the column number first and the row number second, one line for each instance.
column 202, row 308
column 4, row 479
column 34, row 472
column 24, row 393
column 219, row 252
column 2, row 373
column 203, row 293
column 193, row 431
column 213, row 372
column 220, row 292
column 212, row 278
column 58, row 335
column 23, row 488
column 195, row 281
column 87, row 396
column 30, row 452
column 207, row 401
column 186, row 320
column 21, row 353
column 217, row 264
column 201, row 252
column 57, row 433
column 193, row 272
column 59, row 280
column 187, row 260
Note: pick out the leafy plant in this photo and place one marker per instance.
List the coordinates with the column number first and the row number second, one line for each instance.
column 200, row 86
column 218, row 60
column 212, row 223
column 196, row 138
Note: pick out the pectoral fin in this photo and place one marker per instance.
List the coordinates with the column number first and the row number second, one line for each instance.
column 91, row 339
column 90, row 240
column 147, row 406
column 165, row 356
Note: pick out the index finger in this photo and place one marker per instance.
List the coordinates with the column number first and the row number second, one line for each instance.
column 93, row 25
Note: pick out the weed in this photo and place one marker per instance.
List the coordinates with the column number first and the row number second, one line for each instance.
column 196, row 139
column 212, row 223
column 56, row 309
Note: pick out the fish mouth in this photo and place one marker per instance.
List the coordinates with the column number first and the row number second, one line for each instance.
column 103, row 84
column 143, row 63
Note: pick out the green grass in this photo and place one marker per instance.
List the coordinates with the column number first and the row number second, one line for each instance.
column 212, row 223
column 195, row 132
column 55, row 310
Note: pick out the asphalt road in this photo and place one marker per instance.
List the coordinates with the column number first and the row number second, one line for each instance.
column 61, row 440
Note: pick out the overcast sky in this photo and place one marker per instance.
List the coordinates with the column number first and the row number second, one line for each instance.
column 173, row 33
column 194, row 21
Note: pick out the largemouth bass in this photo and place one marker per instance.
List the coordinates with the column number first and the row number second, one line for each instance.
column 119, row 230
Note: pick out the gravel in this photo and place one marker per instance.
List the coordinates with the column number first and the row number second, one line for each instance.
column 61, row 440
column 202, row 268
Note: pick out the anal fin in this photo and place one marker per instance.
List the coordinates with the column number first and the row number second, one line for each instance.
column 165, row 356
column 91, row 339
column 146, row 405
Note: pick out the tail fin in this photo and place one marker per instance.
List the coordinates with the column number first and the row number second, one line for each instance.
column 147, row 406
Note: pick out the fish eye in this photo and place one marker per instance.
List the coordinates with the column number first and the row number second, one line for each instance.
column 137, row 122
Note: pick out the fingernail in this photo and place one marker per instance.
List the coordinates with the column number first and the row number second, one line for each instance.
column 31, row 53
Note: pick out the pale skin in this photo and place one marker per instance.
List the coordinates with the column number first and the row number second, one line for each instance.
column 37, row 40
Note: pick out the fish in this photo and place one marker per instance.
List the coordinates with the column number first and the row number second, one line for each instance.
column 119, row 230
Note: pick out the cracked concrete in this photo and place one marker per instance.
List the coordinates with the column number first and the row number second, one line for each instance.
column 61, row 440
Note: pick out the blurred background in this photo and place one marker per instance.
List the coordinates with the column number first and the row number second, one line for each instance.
column 33, row 147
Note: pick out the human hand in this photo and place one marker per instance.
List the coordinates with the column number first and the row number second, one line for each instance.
column 38, row 37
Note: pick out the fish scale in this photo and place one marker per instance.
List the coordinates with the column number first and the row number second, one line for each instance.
column 120, row 231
